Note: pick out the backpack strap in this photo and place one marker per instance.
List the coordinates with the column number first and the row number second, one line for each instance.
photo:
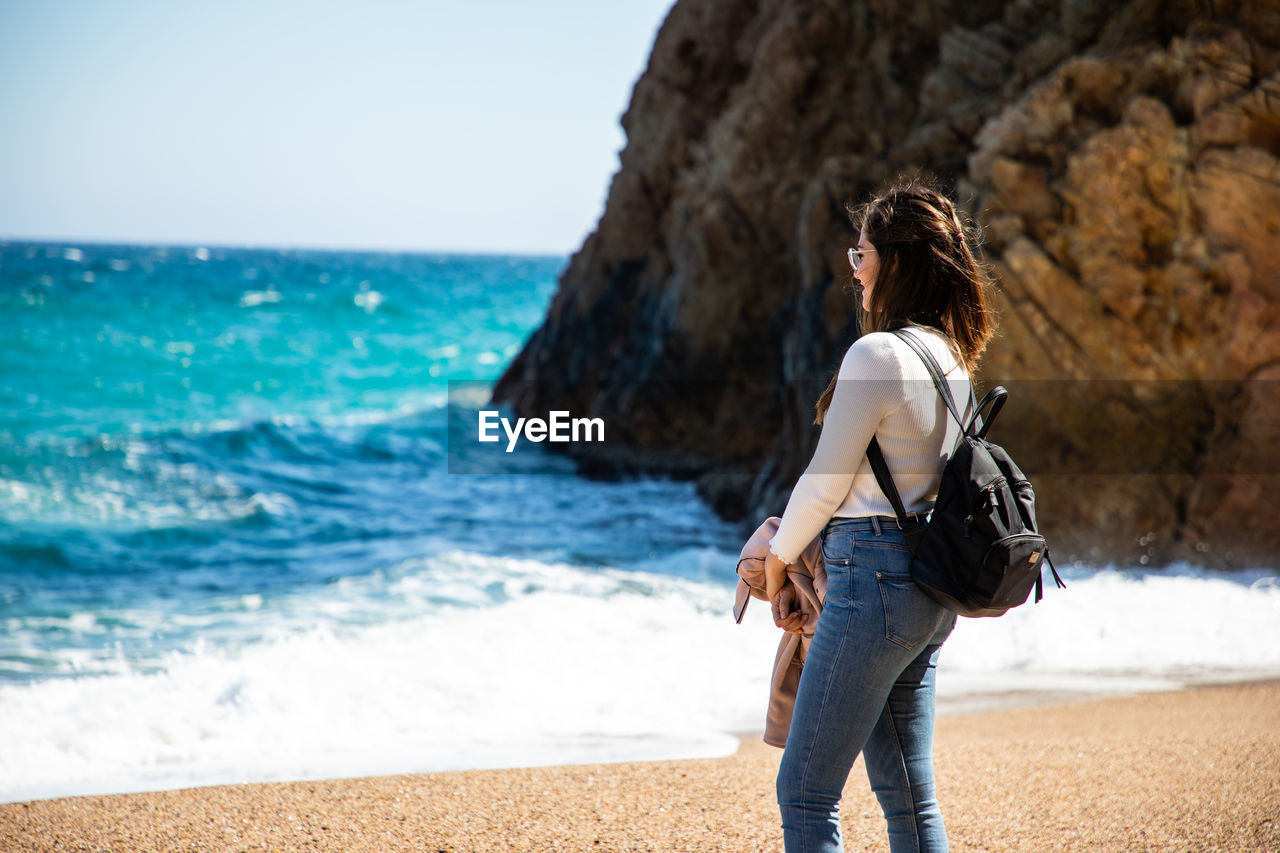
column 995, row 399
column 939, row 381
column 913, row 527
column 875, row 456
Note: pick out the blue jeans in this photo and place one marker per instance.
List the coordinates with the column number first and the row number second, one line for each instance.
column 867, row 686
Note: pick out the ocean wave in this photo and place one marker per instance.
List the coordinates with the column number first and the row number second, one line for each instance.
column 463, row 659
column 562, row 664
column 208, row 472
column 1121, row 622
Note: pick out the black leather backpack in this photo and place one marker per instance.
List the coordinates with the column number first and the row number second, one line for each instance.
column 979, row 552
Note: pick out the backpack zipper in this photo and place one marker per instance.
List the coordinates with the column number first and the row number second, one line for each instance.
column 990, row 501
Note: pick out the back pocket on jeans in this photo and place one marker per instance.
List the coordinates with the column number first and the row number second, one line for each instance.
column 910, row 616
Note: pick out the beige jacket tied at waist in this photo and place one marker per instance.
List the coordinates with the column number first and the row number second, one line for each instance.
column 810, row 579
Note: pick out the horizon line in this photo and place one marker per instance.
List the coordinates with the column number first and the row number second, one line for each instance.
column 72, row 242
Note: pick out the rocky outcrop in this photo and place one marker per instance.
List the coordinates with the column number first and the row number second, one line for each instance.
column 1122, row 159
column 1132, row 202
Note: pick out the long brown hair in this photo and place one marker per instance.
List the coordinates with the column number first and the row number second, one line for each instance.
column 927, row 273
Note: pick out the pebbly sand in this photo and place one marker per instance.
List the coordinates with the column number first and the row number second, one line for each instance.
column 1195, row 770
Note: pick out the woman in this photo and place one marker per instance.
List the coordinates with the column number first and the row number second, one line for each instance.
column 868, row 680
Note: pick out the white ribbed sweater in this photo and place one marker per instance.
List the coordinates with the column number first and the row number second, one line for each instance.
column 883, row 390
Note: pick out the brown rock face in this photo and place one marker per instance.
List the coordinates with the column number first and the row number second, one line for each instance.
column 1122, row 160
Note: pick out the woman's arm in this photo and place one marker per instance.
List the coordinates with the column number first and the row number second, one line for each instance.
column 870, row 386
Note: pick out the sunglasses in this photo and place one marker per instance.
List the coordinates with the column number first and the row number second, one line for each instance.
column 855, row 257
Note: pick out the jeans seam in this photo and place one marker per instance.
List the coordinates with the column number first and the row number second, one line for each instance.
column 822, row 710
column 906, row 780
column 853, row 550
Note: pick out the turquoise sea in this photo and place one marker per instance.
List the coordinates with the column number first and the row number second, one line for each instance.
column 231, row 548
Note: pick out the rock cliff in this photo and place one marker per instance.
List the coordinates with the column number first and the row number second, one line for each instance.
column 1121, row 158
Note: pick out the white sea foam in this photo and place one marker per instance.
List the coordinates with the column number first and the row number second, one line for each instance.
column 369, row 300
column 465, row 660
column 570, row 665
column 1123, row 630
column 254, row 298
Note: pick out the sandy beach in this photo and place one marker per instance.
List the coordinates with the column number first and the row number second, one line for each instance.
column 1194, row 770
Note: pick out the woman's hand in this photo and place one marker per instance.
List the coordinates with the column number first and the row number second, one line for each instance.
column 787, row 614
column 775, row 574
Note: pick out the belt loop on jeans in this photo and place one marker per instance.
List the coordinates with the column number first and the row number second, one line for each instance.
column 875, row 524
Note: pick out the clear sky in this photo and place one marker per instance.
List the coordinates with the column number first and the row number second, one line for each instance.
column 475, row 125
